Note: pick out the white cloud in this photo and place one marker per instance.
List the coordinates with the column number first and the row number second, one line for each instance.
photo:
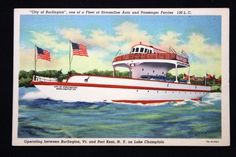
column 83, row 64
column 130, row 32
column 196, row 45
column 126, row 34
column 73, row 34
column 27, row 59
column 49, row 41
column 80, row 63
column 170, row 39
column 100, row 38
column 102, row 46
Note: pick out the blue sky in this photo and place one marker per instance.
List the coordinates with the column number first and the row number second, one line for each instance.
column 210, row 26
column 182, row 31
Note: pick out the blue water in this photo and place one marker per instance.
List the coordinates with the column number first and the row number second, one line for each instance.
column 44, row 118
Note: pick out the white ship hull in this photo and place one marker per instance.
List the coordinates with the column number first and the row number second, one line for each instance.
column 110, row 89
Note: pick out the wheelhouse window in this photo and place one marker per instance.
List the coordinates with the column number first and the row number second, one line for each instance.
column 141, row 50
column 145, row 50
column 133, row 49
column 137, row 49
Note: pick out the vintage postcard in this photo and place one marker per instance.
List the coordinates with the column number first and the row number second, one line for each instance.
column 121, row 77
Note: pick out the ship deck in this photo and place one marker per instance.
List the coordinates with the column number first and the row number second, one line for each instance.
column 163, row 56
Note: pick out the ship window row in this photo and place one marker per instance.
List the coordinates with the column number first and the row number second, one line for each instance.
column 143, row 50
column 174, row 92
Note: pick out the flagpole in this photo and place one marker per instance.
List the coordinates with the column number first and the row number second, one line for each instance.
column 34, row 61
column 69, row 56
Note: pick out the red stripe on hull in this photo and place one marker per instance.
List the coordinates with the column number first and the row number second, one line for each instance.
column 150, row 101
column 114, row 86
column 145, row 101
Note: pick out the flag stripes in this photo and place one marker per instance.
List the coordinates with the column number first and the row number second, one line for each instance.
column 43, row 54
column 79, row 49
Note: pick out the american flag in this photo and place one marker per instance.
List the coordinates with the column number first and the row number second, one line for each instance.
column 185, row 76
column 79, row 49
column 210, row 76
column 43, row 54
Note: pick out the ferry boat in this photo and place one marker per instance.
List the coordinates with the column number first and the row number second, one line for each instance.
column 147, row 84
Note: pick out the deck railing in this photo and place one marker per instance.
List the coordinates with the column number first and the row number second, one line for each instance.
column 168, row 56
column 44, row 79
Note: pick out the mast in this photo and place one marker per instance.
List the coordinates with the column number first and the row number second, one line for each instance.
column 35, row 60
column 69, row 55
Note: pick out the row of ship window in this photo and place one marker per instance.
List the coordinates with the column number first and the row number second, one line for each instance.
column 176, row 92
column 137, row 49
column 153, row 71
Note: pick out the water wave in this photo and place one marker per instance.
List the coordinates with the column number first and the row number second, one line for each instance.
column 206, row 101
column 45, row 118
column 34, row 95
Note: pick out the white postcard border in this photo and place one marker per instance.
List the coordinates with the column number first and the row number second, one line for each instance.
column 225, row 120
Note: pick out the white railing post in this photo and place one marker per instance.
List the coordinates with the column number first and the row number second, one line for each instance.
column 176, row 72
column 189, row 75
